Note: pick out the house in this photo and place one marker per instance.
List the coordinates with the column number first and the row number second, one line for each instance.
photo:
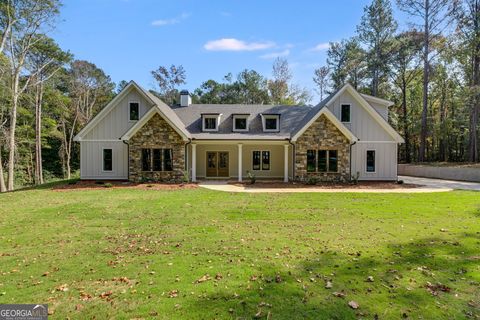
column 138, row 137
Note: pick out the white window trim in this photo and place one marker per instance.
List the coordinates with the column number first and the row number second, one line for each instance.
column 350, row 107
column 211, row 116
column 103, row 160
column 240, row 116
column 129, row 104
column 271, row 116
column 261, row 160
column 375, row 161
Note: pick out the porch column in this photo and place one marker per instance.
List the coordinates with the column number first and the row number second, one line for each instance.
column 285, row 165
column 194, row 162
column 240, row 157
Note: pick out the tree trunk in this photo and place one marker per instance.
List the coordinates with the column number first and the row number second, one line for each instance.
column 38, row 134
column 426, row 47
column 11, row 138
column 405, row 121
column 3, row 188
column 474, row 110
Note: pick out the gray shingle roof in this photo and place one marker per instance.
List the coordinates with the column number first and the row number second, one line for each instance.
column 290, row 118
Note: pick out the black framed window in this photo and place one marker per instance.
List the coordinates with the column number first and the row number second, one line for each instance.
column 256, row 160
column 167, row 159
column 332, row 161
column 271, row 124
column 134, row 111
column 146, row 159
column 370, row 160
column 107, row 159
column 311, row 161
column 210, row 123
column 322, row 161
column 345, row 116
column 157, row 160
column 240, row 124
column 265, row 160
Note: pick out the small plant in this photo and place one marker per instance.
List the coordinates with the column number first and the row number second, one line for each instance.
column 251, row 177
column 355, row 178
column 311, row 181
column 108, row 185
column 186, row 176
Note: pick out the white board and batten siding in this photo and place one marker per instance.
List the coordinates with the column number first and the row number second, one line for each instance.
column 371, row 136
column 106, row 135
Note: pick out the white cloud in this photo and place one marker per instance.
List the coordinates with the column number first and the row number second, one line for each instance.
column 274, row 55
column 321, row 47
column 165, row 22
column 231, row 44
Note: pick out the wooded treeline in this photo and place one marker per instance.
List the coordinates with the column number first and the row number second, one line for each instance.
column 431, row 71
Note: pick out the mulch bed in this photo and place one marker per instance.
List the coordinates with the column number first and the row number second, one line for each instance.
column 360, row 185
column 94, row 185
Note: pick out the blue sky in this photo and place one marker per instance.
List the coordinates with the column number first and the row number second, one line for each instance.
column 129, row 38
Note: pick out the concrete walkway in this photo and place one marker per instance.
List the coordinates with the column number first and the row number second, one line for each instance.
column 428, row 185
column 439, row 183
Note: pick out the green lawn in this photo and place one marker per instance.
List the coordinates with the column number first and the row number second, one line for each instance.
column 125, row 253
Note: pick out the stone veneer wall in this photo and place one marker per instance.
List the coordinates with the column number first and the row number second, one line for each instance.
column 156, row 134
column 322, row 134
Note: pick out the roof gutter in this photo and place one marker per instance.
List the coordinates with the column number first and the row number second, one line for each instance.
column 293, row 157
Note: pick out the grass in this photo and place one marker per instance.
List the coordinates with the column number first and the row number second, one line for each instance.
column 122, row 253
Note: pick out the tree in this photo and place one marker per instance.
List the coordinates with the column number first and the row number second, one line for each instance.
column 121, row 85
column 405, row 62
column 44, row 60
column 321, row 80
column 278, row 85
column 468, row 31
column 168, row 80
column 376, row 31
column 346, row 61
column 251, row 87
column 435, row 18
column 28, row 18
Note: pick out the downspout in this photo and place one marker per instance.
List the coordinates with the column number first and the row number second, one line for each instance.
column 293, row 156
column 186, row 156
column 128, row 162
column 351, row 145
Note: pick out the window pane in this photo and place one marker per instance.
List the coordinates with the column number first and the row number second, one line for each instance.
column 322, row 160
column 134, row 111
column 146, row 159
column 332, row 161
column 168, row 159
column 271, row 124
column 240, row 124
column 266, row 160
column 370, row 160
column 157, row 159
column 210, row 123
column 345, row 113
column 256, row 160
column 107, row 160
column 310, row 160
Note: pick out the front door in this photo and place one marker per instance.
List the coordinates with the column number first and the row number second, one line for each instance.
column 217, row 164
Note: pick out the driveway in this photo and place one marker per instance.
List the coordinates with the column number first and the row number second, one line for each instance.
column 427, row 185
column 439, row 183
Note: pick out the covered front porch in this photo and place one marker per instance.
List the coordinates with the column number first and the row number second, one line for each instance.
column 214, row 159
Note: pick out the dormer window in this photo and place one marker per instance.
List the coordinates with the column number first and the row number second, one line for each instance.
column 271, row 122
column 133, row 111
column 240, row 122
column 210, row 122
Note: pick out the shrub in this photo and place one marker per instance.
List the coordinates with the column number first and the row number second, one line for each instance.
column 252, row 177
column 311, row 181
column 108, row 185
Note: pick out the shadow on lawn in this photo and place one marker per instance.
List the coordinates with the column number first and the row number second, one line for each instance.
column 398, row 290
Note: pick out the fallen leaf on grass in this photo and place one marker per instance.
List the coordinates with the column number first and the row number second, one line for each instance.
column 173, row 294
column 105, row 295
column 63, row 287
column 85, row 296
column 434, row 289
column 79, row 307
column 328, row 285
column 354, row 305
column 339, row 294
column 203, row 279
